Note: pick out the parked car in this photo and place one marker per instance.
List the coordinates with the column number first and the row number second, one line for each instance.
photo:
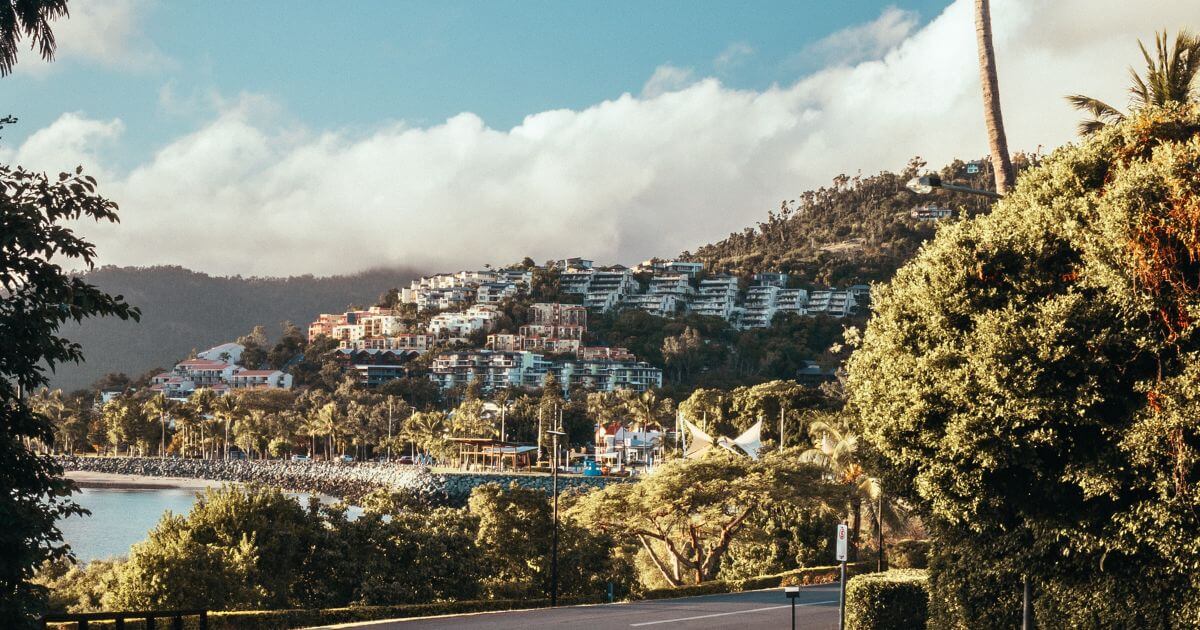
column 346, row 458
column 301, row 458
column 405, row 460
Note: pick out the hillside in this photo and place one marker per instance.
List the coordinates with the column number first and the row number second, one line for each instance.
column 856, row 230
column 184, row 310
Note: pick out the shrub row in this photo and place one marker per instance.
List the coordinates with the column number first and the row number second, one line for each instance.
column 305, row 617
column 797, row 577
column 893, row 599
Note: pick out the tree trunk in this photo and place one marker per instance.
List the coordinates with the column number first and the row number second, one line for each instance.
column 997, row 143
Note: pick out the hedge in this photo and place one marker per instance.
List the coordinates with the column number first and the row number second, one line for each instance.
column 304, row 617
column 884, row 601
column 908, row 554
column 796, row 577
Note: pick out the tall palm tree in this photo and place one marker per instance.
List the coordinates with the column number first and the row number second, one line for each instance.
column 647, row 409
column 1170, row 78
column 161, row 406
column 226, row 409
column 992, row 118
column 27, row 18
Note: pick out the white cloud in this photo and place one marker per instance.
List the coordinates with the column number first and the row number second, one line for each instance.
column 864, row 41
column 679, row 165
column 100, row 32
column 667, row 78
column 733, row 56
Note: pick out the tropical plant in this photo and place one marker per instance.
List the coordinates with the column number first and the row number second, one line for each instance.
column 1170, row 78
column 27, row 18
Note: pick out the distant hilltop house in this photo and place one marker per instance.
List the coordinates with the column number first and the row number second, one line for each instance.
column 215, row 370
column 931, row 213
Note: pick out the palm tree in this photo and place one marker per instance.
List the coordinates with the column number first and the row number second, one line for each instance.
column 30, row 18
column 1170, row 78
column 161, row 406
column 997, row 142
column 330, row 419
column 837, row 452
column 226, row 409
column 647, row 409
column 424, row 428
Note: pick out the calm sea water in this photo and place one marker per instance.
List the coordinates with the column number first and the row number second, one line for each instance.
column 121, row 517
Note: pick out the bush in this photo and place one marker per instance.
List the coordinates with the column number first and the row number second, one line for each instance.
column 908, row 554
column 889, row 600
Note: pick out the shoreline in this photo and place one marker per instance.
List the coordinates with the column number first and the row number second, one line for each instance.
column 120, row 481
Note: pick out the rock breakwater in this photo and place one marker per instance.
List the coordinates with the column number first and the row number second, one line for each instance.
column 344, row 480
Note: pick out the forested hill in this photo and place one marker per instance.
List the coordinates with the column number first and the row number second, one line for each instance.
column 858, row 229
column 184, row 310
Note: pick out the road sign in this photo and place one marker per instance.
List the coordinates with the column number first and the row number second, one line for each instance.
column 842, row 535
column 792, row 591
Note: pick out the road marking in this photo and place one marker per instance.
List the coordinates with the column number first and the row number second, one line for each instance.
column 724, row 614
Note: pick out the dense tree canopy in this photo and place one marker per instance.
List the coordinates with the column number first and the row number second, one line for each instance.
column 1030, row 381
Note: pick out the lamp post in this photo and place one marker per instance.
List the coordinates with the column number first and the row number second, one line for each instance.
column 554, row 435
column 925, row 184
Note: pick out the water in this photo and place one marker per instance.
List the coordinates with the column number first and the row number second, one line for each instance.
column 121, row 517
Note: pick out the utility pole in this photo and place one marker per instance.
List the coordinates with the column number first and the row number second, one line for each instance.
column 389, row 448
column 879, row 532
column 503, row 408
column 781, row 411
column 554, row 537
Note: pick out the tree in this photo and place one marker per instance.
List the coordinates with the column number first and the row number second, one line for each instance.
column 1029, row 382
column 29, row 18
column 646, row 410
column 992, row 117
column 159, row 407
column 1170, row 78
column 226, row 410
column 37, row 296
column 686, row 515
column 837, row 451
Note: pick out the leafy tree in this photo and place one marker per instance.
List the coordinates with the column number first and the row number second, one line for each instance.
column 37, row 297
column 688, row 513
column 1029, row 380
column 1170, row 78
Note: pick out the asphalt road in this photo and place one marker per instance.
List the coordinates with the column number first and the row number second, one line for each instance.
column 816, row 609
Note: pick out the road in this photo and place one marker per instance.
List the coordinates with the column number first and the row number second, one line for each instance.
column 816, row 609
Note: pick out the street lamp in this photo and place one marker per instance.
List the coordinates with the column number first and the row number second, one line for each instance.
column 925, row 184
column 554, row 435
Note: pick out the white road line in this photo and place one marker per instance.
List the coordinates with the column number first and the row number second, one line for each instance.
column 734, row 612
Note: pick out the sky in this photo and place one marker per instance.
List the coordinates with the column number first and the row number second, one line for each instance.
column 273, row 138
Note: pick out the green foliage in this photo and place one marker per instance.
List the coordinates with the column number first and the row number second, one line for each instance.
column 37, row 297
column 1029, row 379
column 515, row 527
column 883, row 601
column 782, row 537
column 689, row 512
column 907, row 554
column 857, row 230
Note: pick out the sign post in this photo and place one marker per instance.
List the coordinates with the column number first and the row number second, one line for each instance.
column 792, row 593
column 842, row 544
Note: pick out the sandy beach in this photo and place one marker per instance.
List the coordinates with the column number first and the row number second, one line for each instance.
column 88, row 479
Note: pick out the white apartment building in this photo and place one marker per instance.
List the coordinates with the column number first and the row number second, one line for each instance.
column 760, row 306
column 575, row 281
column 662, row 305
column 717, row 297
column 475, row 319
column 792, row 301
column 833, row 303
column 559, row 314
column 418, row 342
column 494, row 292
column 674, row 285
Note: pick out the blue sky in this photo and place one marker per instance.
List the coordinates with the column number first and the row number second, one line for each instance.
column 353, row 66
column 277, row 138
